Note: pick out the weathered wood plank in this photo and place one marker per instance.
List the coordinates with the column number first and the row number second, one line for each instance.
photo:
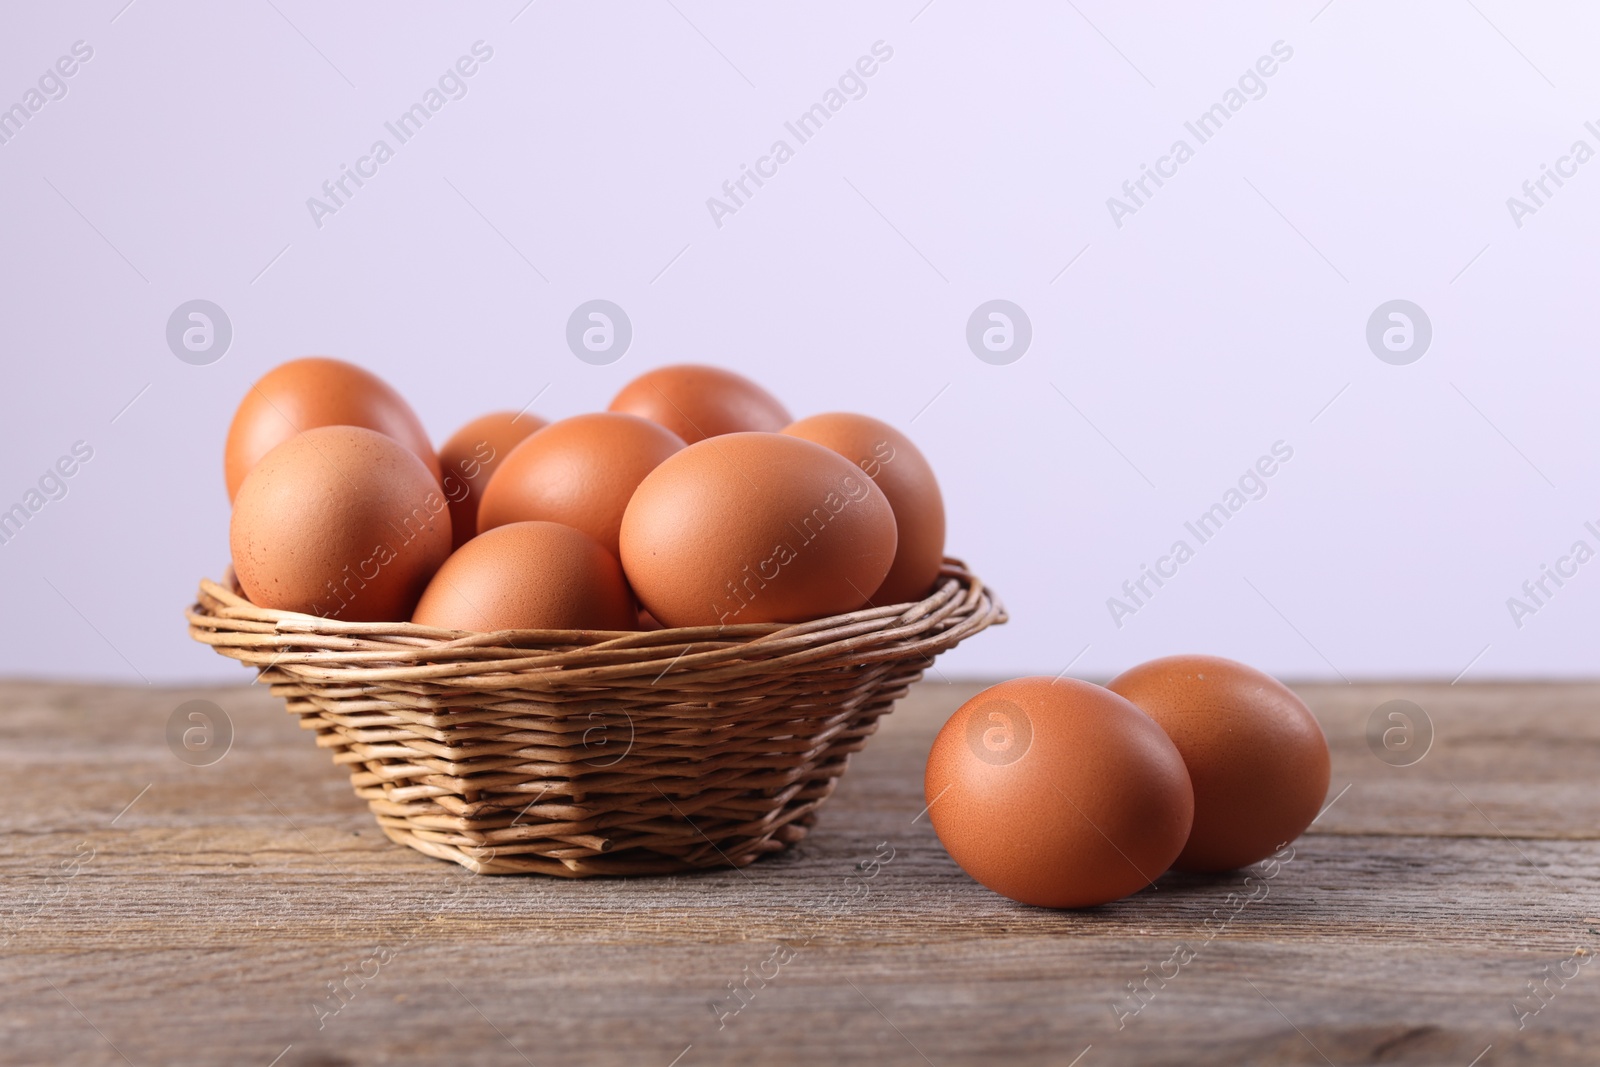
column 204, row 923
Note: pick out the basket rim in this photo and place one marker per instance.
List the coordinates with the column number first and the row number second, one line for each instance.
column 311, row 648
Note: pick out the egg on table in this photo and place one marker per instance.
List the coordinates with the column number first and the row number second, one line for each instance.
column 1057, row 793
column 1256, row 756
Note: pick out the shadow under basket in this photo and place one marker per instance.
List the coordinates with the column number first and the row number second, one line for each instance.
column 579, row 753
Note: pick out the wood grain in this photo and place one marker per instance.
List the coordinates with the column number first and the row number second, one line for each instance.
column 204, row 923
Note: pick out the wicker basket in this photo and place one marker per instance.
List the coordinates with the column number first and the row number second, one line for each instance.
column 580, row 753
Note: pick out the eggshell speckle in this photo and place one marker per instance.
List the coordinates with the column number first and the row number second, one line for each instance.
column 889, row 458
column 696, row 402
column 529, row 576
column 304, row 394
column 755, row 527
column 470, row 458
column 580, row 471
column 1057, row 793
column 1256, row 756
column 342, row 522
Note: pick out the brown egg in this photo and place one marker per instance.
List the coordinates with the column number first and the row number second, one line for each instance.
column 580, row 471
column 696, row 402
column 529, row 576
column 755, row 527
column 893, row 462
column 471, row 457
column 1255, row 753
column 1057, row 793
column 342, row 522
column 316, row 391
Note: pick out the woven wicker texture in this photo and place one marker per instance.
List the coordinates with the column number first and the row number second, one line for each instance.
column 584, row 753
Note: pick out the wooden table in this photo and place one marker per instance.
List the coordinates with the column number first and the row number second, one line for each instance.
column 164, row 913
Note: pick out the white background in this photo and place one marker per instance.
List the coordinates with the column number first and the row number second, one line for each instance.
column 1227, row 314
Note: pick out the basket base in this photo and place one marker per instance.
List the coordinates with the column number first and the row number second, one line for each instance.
column 577, row 753
column 572, row 824
column 488, row 861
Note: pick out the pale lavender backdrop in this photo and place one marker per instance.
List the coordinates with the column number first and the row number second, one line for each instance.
column 1227, row 313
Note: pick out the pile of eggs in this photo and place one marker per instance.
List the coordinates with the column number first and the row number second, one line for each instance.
column 694, row 500
column 1065, row 794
